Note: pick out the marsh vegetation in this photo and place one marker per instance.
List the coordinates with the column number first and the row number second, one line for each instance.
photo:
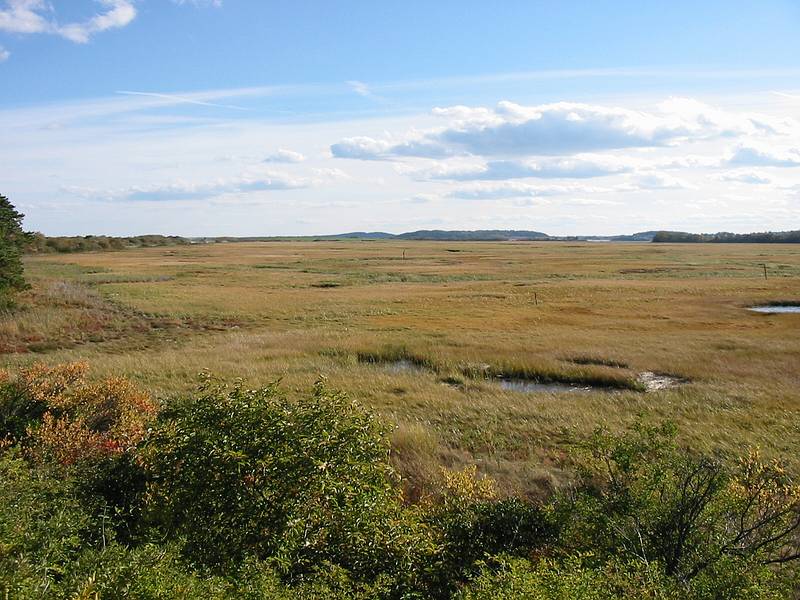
column 428, row 345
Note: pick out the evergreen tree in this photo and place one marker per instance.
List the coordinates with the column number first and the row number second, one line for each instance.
column 12, row 241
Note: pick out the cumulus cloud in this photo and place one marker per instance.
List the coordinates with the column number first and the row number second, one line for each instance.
column 756, row 156
column 562, row 128
column 578, row 167
column 37, row 16
column 367, row 148
column 284, row 156
column 4, row 54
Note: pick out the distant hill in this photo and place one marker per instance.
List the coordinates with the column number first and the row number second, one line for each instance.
column 361, row 235
column 477, row 235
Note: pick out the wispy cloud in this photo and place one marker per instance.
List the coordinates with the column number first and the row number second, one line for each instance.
column 752, row 177
column 183, row 190
column 578, row 167
column 4, row 54
column 360, row 88
column 179, row 99
column 215, row 3
column 495, row 191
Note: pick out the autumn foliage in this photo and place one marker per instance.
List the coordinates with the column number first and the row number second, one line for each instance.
column 69, row 419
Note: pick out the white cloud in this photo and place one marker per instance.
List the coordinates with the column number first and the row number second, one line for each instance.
column 183, row 190
column 4, row 54
column 754, row 177
column 332, row 174
column 37, row 16
column 367, row 148
column 514, row 189
column 563, row 128
column 284, row 156
column 360, row 88
column 23, row 16
column 215, row 3
column 758, row 156
column 657, row 181
column 118, row 13
column 578, row 167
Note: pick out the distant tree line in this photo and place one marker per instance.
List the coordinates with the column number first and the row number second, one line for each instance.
column 42, row 244
column 724, row 237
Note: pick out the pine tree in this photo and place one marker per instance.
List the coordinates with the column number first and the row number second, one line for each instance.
column 12, row 241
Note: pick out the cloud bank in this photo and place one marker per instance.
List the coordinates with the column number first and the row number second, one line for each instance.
column 562, row 128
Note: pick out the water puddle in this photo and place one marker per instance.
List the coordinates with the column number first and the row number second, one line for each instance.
column 528, row 386
column 654, row 382
column 402, row 365
column 651, row 382
column 776, row 309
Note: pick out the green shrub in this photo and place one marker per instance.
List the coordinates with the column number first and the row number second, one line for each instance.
column 571, row 579
column 242, row 473
column 473, row 526
column 706, row 522
column 44, row 524
column 581, row 577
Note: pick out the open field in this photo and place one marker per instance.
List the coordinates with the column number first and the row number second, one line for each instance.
column 457, row 312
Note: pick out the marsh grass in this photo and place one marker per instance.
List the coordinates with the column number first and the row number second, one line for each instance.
column 397, row 354
column 548, row 312
column 781, row 303
column 590, row 375
column 584, row 359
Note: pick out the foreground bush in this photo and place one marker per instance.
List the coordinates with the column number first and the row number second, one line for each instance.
column 726, row 527
column 64, row 418
column 241, row 473
column 245, row 493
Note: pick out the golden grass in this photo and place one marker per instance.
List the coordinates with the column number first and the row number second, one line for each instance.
column 598, row 313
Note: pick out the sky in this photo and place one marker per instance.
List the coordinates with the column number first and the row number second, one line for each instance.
column 256, row 117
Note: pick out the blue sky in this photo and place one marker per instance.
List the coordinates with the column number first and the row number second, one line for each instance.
column 240, row 117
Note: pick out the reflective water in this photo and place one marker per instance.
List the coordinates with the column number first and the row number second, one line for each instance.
column 525, row 385
column 780, row 309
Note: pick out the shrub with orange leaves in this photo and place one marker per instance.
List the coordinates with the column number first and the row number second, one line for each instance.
column 64, row 418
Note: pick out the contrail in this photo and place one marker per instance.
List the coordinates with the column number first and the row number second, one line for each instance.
column 180, row 99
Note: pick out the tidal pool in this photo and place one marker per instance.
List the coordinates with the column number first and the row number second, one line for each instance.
column 525, row 385
column 776, row 309
column 402, row 365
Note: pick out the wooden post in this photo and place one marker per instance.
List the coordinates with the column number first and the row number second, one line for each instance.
column 536, row 298
column 765, row 270
column 404, row 253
